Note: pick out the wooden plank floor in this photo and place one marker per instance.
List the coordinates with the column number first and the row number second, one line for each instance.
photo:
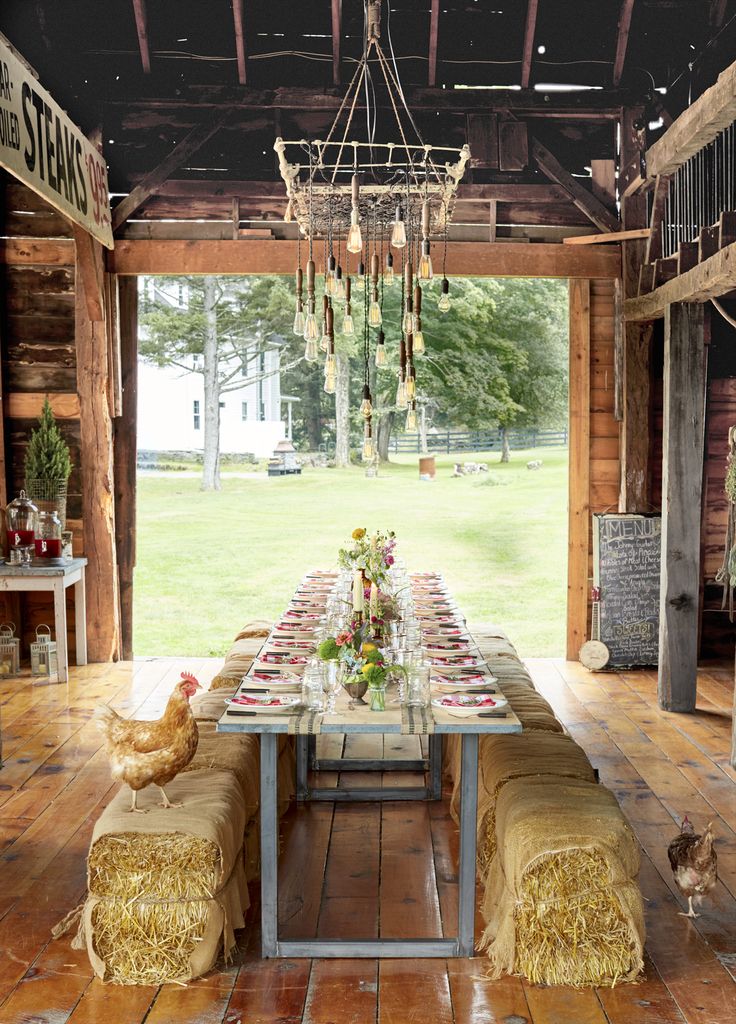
column 362, row 870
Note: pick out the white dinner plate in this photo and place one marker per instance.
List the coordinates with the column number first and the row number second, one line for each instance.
column 470, row 705
column 269, row 703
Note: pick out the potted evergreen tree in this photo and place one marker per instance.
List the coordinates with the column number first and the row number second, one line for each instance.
column 48, row 465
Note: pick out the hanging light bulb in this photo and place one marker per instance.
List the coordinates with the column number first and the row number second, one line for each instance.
column 425, row 272
column 339, row 289
column 299, row 314
column 330, row 373
column 411, row 418
column 348, row 325
column 374, row 310
column 366, row 406
column 420, row 348
column 381, row 349
column 411, row 387
column 324, row 343
column 330, row 385
column 401, row 394
column 355, row 239
column 388, row 272
column 398, row 231
column 369, row 451
column 310, row 349
column 416, row 327
column 299, row 321
column 407, row 324
column 311, row 327
column 330, row 276
column 443, row 303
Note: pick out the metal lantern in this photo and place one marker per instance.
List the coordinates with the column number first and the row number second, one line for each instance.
column 9, row 650
column 44, row 659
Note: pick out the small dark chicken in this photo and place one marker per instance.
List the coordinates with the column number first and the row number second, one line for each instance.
column 694, row 863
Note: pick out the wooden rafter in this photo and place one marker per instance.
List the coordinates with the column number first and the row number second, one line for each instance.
column 585, row 201
column 622, row 41
column 336, row 34
column 239, row 22
column 188, row 145
column 529, row 29
column 607, row 236
column 434, row 28
column 717, row 13
column 707, row 280
column 654, row 244
column 141, row 25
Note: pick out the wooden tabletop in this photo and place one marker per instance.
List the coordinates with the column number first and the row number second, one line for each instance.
column 42, row 570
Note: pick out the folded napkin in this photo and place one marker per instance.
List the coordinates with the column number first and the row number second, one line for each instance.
column 284, row 659
column 267, row 700
column 466, row 700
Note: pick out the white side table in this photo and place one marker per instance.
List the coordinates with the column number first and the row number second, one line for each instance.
column 55, row 578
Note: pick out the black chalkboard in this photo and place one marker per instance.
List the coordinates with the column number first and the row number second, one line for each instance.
column 626, row 559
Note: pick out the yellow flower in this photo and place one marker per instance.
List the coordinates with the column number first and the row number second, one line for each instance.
column 364, row 648
column 358, row 534
column 367, row 667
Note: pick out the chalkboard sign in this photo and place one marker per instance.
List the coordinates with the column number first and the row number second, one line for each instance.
column 626, row 559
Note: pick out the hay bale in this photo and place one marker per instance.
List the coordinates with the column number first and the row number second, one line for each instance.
column 166, row 890
column 242, row 654
column 503, row 758
column 561, row 903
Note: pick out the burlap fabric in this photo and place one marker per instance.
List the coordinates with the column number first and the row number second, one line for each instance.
column 242, row 654
column 209, row 706
column 502, row 758
column 537, row 819
column 212, row 809
column 500, row 654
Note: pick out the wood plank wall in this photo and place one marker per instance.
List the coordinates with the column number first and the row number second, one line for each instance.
column 594, row 444
column 38, row 358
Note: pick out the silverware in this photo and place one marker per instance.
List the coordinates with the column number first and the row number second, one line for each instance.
column 234, row 711
column 492, row 714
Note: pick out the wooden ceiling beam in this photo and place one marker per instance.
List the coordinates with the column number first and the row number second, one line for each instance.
column 239, row 24
column 477, row 259
column 141, row 25
column 434, row 29
column 336, row 36
column 585, row 201
column 622, row 40
column 179, row 154
column 713, row 277
column 529, row 29
column 717, row 13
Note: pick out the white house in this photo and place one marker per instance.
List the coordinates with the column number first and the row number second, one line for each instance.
column 171, row 403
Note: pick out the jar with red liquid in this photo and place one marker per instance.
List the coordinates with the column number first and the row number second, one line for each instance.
column 22, row 520
column 48, row 536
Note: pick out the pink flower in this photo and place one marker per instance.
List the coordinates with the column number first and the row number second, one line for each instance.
column 390, row 560
column 343, row 638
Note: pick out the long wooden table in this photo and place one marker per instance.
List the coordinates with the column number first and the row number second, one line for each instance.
column 348, row 721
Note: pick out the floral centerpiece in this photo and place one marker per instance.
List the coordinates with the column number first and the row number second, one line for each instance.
column 372, row 553
column 363, row 662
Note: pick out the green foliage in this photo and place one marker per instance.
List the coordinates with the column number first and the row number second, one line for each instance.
column 328, row 650
column 47, row 455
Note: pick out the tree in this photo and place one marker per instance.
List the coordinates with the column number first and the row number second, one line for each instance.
column 229, row 322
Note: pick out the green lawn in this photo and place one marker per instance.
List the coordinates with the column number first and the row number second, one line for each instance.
column 207, row 563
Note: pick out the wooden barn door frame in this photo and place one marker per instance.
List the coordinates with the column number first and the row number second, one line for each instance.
column 153, row 259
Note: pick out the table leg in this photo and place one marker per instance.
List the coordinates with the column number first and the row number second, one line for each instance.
column 302, row 768
column 468, row 832
column 80, row 619
column 62, row 654
column 435, row 767
column 269, row 846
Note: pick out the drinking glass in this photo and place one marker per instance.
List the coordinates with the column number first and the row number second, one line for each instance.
column 332, row 684
column 417, row 687
column 312, row 692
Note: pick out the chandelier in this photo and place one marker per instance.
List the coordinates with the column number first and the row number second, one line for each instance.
column 385, row 202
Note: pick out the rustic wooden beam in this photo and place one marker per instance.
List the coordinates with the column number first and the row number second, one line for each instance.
column 125, row 441
column 239, row 25
column 622, row 40
column 583, row 199
column 89, row 270
column 141, row 25
column 509, row 259
column 96, row 459
column 27, row 405
column 32, row 252
column 492, row 218
column 682, row 474
column 717, row 13
column 579, row 468
column 336, row 35
column 529, row 29
column 713, row 277
column 703, row 120
column 607, row 236
column 434, row 28
column 179, row 154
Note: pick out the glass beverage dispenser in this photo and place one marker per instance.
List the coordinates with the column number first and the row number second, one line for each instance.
column 22, row 522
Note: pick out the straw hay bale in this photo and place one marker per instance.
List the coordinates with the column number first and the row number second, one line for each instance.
column 503, row 758
column 166, row 890
column 242, row 654
column 561, row 903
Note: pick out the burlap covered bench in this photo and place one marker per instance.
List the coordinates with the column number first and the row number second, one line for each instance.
column 241, row 655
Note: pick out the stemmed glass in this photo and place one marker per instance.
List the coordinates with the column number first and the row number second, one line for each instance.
column 332, row 684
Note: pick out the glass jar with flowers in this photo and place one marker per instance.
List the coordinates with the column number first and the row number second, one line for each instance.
column 370, row 553
column 362, row 662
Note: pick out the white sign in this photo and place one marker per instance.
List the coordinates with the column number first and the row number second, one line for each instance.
column 41, row 147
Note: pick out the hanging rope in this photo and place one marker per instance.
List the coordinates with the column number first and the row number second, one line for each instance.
column 726, row 575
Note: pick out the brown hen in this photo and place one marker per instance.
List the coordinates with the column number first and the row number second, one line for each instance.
column 694, row 863
column 152, row 753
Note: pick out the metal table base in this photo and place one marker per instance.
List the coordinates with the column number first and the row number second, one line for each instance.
column 306, row 758
column 460, row 946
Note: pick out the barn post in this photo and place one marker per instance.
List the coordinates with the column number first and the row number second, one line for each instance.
column 125, row 441
column 682, row 472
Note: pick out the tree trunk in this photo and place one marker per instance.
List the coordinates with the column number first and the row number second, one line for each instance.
column 211, row 469
column 505, row 449
column 385, row 426
column 342, row 411
column 312, row 409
